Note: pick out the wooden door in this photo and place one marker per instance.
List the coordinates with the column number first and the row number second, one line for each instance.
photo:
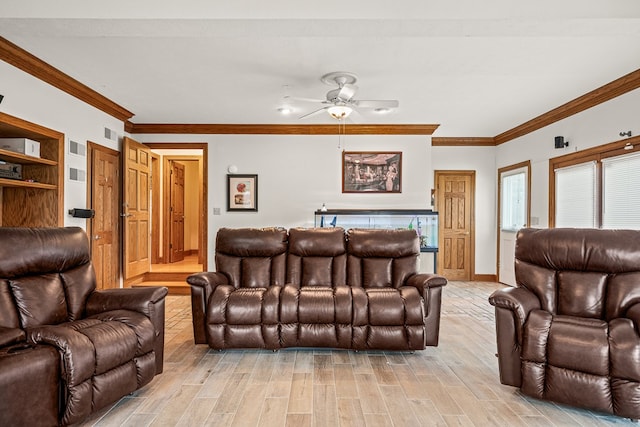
column 104, row 229
column 176, row 211
column 455, row 193
column 136, row 208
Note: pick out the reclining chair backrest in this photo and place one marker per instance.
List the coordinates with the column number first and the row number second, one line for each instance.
column 46, row 275
column 252, row 257
column 580, row 272
column 381, row 258
column 317, row 257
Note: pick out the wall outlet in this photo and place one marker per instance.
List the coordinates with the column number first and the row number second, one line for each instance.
column 216, row 211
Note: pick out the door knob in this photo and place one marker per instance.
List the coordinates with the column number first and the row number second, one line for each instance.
column 97, row 237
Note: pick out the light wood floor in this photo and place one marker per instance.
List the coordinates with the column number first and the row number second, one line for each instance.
column 454, row 384
column 189, row 264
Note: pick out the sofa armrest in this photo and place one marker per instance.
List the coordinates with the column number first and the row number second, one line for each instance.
column 430, row 287
column 134, row 299
column 202, row 286
column 512, row 307
column 518, row 300
column 10, row 336
column 208, row 280
column 422, row 281
column 634, row 314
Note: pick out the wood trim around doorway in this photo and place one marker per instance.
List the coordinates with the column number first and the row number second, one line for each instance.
column 472, row 222
column 203, row 254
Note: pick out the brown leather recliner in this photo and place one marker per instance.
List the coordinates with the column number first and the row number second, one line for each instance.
column 569, row 332
column 316, row 287
column 60, row 338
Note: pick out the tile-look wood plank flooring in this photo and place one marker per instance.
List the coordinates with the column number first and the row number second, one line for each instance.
column 454, row 384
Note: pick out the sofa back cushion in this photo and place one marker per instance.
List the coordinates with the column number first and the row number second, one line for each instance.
column 580, row 272
column 252, row 257
column 317, row 257
column 40, row 266
column 40, row 300
column 8, row 310
column 381, row 258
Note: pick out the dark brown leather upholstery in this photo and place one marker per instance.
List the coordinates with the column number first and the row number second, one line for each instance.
column 569, row 331
column 105, row 344
column 316, row 287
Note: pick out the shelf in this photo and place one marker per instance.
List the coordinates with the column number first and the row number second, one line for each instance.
column 13, row 157
column 4, row 182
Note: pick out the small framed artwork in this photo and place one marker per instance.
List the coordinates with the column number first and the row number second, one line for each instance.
column 242, row 193
column 371, row 172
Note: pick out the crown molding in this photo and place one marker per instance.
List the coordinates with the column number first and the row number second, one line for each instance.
column 462, row 141
column 265, row 129
column 23, row 60
column 600, row 95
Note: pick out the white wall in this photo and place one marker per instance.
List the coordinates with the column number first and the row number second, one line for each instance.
column 297, row 174
column 31, row 99
column 481, row 160
column 597, row 126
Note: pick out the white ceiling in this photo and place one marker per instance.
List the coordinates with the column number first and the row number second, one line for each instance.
column 476, row 68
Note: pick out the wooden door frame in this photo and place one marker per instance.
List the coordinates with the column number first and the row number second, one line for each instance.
column 204, row 197
column 526, row 164
column 91, row 147
column 156, row 257
column 472, row 219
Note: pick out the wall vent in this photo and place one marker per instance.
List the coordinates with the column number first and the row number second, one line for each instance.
column 77, row 174
column 111, row 134
column 77, row 148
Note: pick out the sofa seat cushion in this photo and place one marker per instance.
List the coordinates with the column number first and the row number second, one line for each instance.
column 140, row 324
column 316, row 316
column 394, row 319
column 566, row 359
column 244, row 317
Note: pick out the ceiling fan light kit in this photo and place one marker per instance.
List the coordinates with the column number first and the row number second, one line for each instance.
column 339, row 112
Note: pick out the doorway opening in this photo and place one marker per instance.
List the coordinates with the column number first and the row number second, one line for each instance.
column 178, row 213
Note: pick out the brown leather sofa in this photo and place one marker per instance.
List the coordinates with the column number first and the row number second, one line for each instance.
column 316, row 287
column 67, row 349
column 569, row 332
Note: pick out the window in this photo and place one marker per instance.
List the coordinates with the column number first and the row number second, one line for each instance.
column 621, row 192
column 576, row 196
column 514, row 201
column 597, row 188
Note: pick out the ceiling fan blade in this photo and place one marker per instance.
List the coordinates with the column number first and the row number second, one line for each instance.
column 297, row 98
column 356, row 117
column 347, row 92
column 376, row 103
column 313, row 113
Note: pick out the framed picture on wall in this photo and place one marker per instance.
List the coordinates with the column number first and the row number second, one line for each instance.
column 242, row 193
column 371, row 172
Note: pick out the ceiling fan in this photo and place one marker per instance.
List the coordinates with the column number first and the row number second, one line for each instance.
column 340, row 102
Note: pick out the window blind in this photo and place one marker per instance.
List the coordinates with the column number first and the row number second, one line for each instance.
column 576, row 196
column 621, row 191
